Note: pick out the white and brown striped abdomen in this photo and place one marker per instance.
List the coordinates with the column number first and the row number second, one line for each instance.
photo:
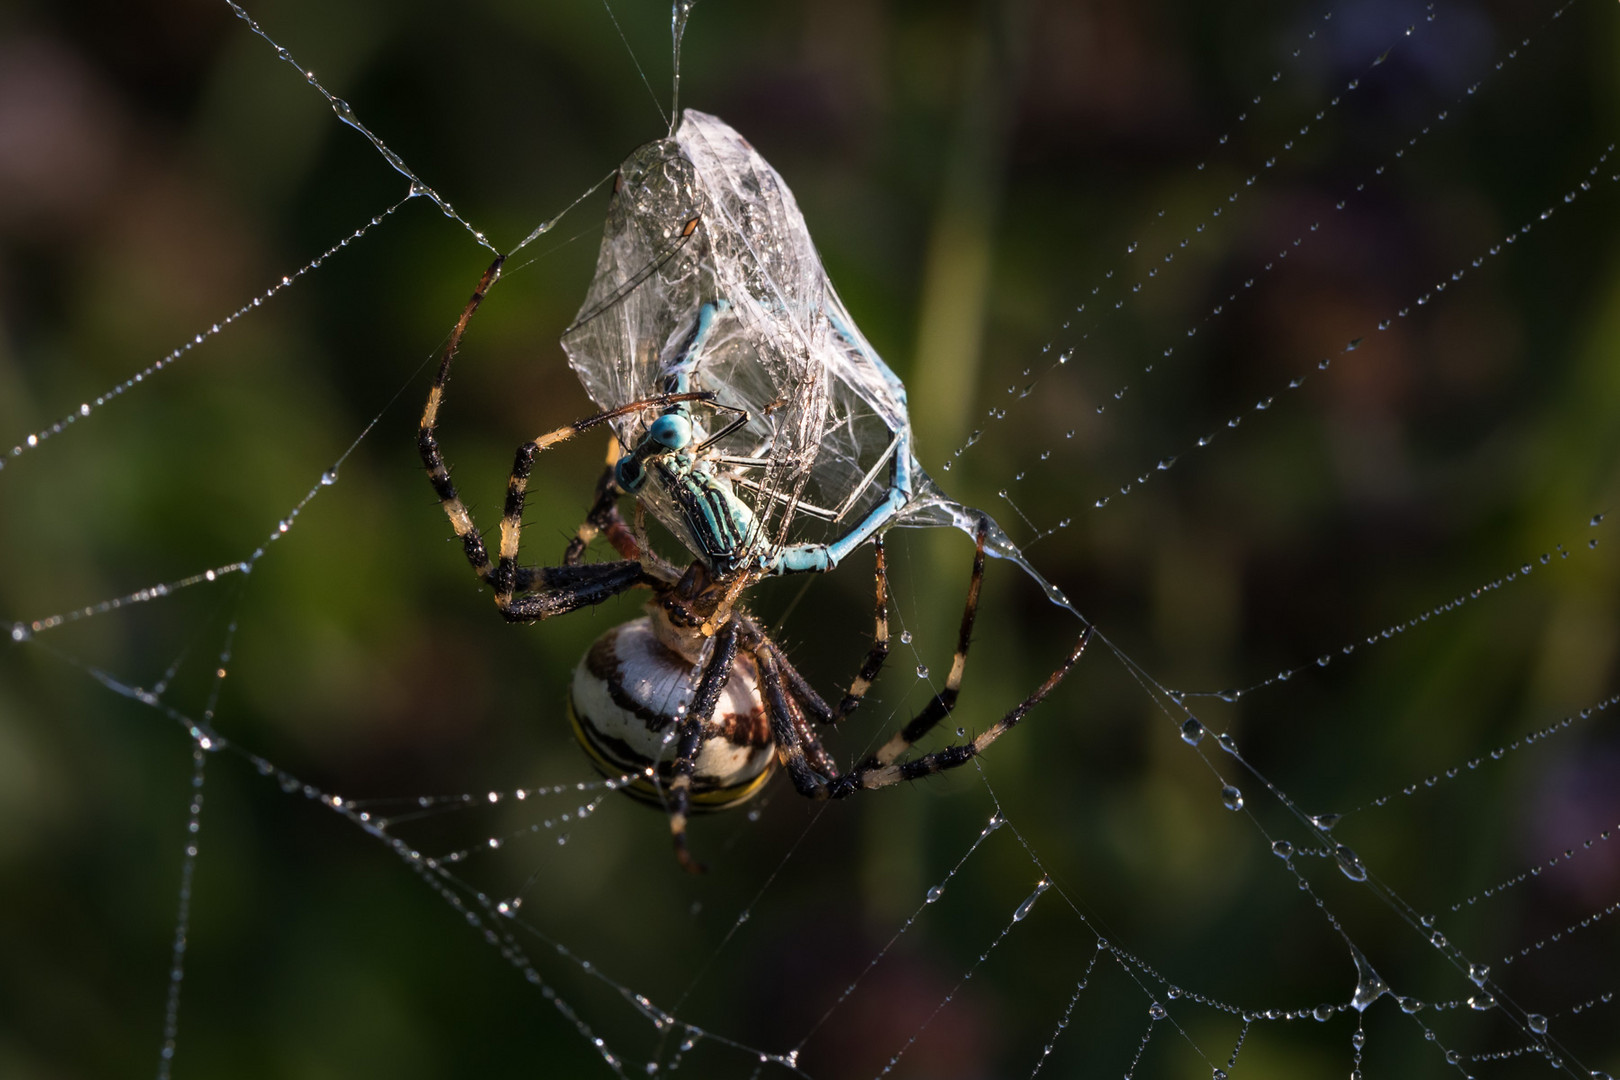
column 625, row 702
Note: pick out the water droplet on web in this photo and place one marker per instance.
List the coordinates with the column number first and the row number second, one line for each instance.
column 1024, row 909
column 905, row 637
column 1537, row 1023
column 1478, row 973
column 922, row 671
column 1481, row 1002
column 1323, row 1013
column 1349, row 863
column 1192, row 731
column 1282, row 849
column 1231, row 797
column 1325, row 822
column 934, row 893
column 330, row 476
column 961, row 732
column 1157, row 1011
column 1370, row 986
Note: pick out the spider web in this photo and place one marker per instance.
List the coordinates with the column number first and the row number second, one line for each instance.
column 1280, row 340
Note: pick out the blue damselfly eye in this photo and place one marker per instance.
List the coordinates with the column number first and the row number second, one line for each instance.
column 629, row 474
column 672, row 431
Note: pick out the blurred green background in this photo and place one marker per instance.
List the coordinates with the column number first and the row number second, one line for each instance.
column 971, row 174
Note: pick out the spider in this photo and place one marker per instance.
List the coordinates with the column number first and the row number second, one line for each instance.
column 698, row 674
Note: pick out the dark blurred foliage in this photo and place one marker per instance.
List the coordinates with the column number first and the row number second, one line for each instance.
column 970, row 172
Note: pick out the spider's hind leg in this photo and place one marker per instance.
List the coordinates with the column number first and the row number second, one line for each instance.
column 874, row 775
column 944, row 701
column 879, row 652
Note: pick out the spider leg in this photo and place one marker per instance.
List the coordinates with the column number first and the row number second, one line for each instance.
column 603, row 519
column 874, row 775
column 944, row 701
column 689, row 738
column 557, row 590
column 801, row 697
column 427, row 442
column 564, row 593
column 504, row 578
column 798, row 687
column 880, row 641
column 785, row 733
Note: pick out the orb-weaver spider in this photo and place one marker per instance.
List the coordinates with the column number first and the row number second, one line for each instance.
column 698, row 674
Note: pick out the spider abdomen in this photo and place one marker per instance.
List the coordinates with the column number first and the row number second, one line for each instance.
column 627, row 698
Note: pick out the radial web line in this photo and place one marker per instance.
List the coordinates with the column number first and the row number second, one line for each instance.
column 36, row 438
column 1018, row 392
column 1390, row 632
column 345, row 112
column 1265, row 404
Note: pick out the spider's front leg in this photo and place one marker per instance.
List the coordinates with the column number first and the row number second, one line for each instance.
column 549, row 590
column 604, row 520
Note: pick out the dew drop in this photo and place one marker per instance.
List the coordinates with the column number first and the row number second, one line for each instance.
column 1537, row 1023
column 1231, row 797
column 1029, row 902
column 1349, row 863
column 1370, row 986
column 922, row 671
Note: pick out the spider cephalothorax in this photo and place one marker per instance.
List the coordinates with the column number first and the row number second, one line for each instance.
column 726, row 414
